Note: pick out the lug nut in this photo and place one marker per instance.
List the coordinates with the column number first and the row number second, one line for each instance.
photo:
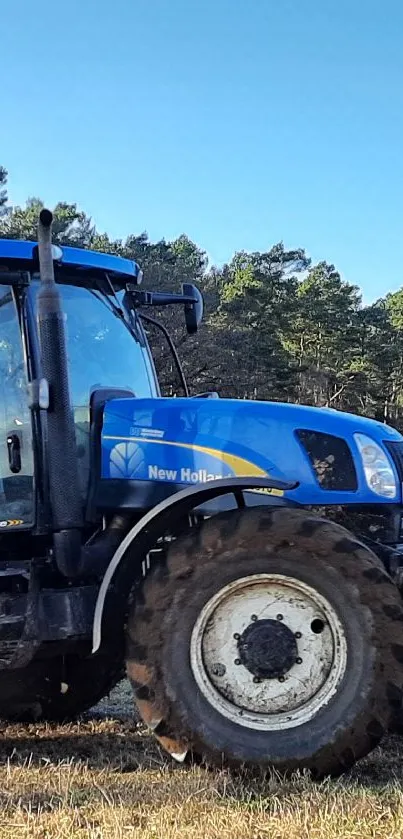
column 237, row 636
column 279, row 617
column 256, row 680
column 237, row 661
column 299, row 660
column 218, row 669
column 253, row 617
column 298, row 635
column 281, row 679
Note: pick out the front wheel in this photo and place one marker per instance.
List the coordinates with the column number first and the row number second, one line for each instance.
column 270, row 638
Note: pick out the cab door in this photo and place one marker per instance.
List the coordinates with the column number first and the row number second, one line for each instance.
column 16, row 444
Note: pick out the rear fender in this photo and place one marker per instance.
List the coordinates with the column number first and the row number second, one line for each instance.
column 145, row 533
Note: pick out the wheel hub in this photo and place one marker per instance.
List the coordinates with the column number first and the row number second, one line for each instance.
column 268, row 649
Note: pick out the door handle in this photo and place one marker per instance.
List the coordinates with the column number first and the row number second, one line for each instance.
column 14, row 453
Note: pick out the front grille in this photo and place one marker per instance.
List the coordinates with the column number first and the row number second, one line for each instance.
column 395, row 449
column 331, row 460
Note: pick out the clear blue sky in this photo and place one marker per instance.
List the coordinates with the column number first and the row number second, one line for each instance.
column 239, row 122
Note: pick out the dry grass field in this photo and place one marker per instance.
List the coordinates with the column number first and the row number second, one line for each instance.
column 105, row 778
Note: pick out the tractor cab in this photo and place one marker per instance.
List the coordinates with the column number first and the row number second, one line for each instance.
column 107, row 351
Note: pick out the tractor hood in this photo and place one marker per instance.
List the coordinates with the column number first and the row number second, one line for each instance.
column 337, row 458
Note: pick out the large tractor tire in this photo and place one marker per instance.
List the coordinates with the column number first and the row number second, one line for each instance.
column 269, row 638
column 58, row 689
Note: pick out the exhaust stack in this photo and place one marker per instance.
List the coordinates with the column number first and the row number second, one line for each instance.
column 65, row 498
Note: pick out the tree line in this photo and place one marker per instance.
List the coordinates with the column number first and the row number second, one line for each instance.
column 276, row 326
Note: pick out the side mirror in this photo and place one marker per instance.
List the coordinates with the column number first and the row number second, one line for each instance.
column 194, row 310
column 191, row 298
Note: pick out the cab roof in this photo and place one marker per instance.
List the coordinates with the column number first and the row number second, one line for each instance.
column 23, row 255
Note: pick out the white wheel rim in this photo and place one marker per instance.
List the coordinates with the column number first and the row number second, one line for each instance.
column 270, row 704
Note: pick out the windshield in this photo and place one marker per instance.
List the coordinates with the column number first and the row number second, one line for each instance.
column 101, row 350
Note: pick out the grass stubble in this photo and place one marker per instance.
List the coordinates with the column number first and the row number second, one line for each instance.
column 104, row 777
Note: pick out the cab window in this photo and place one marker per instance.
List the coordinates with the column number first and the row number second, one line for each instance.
column 101, row 352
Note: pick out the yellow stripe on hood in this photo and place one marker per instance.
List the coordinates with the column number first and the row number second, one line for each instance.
column 242, row 468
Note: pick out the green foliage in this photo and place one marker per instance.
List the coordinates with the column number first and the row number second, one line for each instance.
column 70, row 226
column 257, row 303
column 275, row 326
column 3, row 191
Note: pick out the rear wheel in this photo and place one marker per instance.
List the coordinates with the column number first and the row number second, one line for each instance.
column 58, row 689
column 270, row 638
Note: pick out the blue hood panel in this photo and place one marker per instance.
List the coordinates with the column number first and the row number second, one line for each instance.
column 187, row 441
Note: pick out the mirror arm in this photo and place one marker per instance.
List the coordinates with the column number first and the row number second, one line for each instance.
column 178, row 365
column 191, row 299
column 157, row 298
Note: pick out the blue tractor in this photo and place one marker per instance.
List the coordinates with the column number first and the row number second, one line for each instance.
column 240, row 561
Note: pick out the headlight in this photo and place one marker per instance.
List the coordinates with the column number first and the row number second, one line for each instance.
column 378, row 470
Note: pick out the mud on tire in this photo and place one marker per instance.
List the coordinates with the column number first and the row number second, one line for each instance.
column 323, row 556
